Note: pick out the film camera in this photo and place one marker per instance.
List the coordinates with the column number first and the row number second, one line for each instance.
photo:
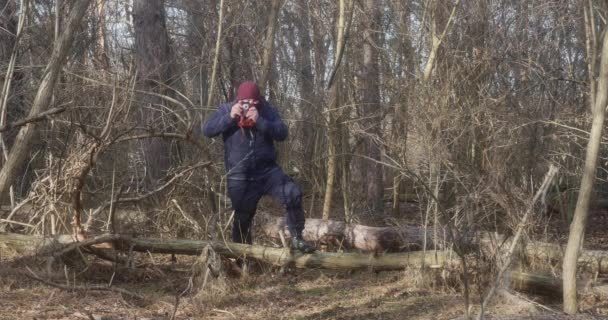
column 244, row 122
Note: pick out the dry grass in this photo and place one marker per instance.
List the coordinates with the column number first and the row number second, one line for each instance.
column 299, row 294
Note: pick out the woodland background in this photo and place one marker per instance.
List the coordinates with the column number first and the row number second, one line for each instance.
column 427, row 112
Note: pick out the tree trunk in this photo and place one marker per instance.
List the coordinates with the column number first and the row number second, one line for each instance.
column 27, row 133
column 308, row 101
column 436, row 38
column 102, row 59
column 579, row 221
column 153, row 69
column 8, row 28
column 372, row 108
column 332, row 107
column 216, row 58
column 269, row 45
column 198, row 47
column 8, row 31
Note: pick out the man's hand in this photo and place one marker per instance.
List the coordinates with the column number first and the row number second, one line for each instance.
column 236, row 111
column 252, row 114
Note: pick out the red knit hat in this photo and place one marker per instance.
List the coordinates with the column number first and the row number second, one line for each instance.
column 248, row 90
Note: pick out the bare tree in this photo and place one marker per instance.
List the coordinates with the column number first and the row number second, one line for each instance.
column 152, row 57
column 45, row 90
column 8, row 35
column 371, row 106
column 332, row 111
column 579, row 221
column 216, row 57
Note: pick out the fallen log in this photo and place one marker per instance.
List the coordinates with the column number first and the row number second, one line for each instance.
column 594, row 260
column 353, row 236
column 275, row 256
column 278, row 256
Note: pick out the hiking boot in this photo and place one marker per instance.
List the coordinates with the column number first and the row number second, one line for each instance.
column 297, row 243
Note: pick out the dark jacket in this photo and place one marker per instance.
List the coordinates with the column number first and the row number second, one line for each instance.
column 248, row 153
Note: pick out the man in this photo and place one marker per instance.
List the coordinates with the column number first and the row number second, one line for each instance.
column 249, row 126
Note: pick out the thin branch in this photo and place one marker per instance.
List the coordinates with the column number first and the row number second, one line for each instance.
column 34, row 276
column 159, row 189
column 39, row 117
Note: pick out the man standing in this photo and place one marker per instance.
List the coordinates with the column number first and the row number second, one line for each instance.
column 249, row 127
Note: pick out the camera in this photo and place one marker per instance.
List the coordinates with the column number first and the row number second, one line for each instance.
column 244, row 122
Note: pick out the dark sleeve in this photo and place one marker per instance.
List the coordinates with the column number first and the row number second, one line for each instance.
column 219, row 122
column 270, row 123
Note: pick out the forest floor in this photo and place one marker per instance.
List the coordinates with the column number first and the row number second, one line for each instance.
column 265, row 294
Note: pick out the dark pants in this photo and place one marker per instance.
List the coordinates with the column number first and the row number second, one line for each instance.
column 245, row 194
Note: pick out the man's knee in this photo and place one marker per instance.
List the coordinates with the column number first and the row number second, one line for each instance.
column 293, row 195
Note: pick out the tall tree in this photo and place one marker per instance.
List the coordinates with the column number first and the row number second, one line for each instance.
column 216, row 58
column 371, row 107
column 198, row 49
column 152, row 56
column 579, row 221
column 308, row 102
column 8, row 35
column 8, row 32
column 332, row 111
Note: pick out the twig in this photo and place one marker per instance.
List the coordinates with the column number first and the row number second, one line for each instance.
column 175, row 306
column 145, row 195
column 197, row 227
column 15, row 209
column 224, row 311
column 16, row 222
column 34, row 276
column 159, row 189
